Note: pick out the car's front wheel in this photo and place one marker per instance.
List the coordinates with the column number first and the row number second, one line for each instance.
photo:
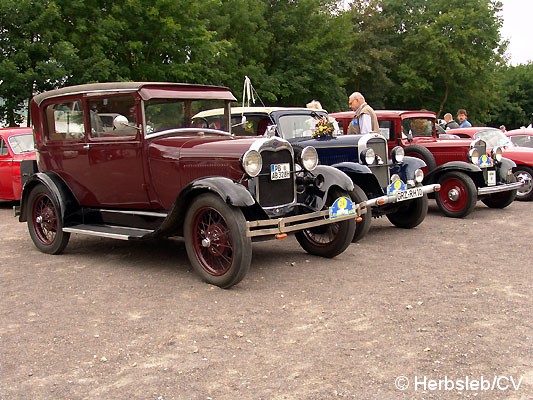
column 361, row 228
column 216, row 241
column 328, row 240
column 457, row 196
column 525, row 193
column 410, row 214
column 45, row 223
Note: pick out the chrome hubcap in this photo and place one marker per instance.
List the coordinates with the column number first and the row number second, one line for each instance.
column 206, row 242
column 453, row 195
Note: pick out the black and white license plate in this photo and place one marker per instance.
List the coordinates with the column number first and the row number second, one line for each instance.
column 280, row 171
column 491, row 178
column 409, row 194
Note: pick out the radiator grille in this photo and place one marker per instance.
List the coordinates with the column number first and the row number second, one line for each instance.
column 279, row 192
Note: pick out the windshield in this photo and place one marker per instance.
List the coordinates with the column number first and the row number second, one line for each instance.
column 22, row 143
column 302, row 125
column 165, row 114
column 418, row 126
column 493, row 138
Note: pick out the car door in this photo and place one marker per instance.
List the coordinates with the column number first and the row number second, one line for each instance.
column 103, row 168
column 6, row 161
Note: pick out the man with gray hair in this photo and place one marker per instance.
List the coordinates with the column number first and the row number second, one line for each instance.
column 365, row 119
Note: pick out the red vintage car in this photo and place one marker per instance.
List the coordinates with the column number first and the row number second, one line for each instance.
column 16, row 145
column 466, row 171
column 522, row 156
column 155, row 174
column 522, row 137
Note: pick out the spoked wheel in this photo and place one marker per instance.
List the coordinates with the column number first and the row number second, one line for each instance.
column 328, row 240
column 44, row 222
column 216, row 242
column 361, row 228
column 457, row 196
column 525, row 193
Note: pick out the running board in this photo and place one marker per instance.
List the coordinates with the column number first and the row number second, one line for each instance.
column 114, row 232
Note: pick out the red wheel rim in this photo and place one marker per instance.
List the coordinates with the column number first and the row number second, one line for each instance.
column 453, row 194
column 44, row 219
column 322, row 236
column 212, row 241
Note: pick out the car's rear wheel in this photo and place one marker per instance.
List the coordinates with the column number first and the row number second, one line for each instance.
column 457, row 196
column 328, row 240
column 410, row 214
column 216, row 241
column 525, row 193
column 44, row 221
column 361, row 228
column 501, row 199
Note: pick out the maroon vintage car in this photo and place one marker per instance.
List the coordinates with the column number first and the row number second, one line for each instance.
column 16, row 145
column 522, row 156
column 154, row 174
column 466, row 170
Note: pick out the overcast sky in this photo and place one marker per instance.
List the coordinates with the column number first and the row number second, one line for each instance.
column 517, row 28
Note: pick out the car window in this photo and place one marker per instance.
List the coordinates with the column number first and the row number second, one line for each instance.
column 522, row 140
column 65, row 121
column 418, row 126
column 386, row 128
column 165, row 114
column 252, row 125
column 103, row 113
column 22, row 143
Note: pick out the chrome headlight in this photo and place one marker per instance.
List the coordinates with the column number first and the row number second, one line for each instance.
column 397, row 155
column 419, row 176
column 309, row 158
column 394, row 178
column 496, row 153
column 252, row 162
column 368, row 156
column 473, row 156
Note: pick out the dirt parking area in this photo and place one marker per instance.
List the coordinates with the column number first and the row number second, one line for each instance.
column 443, row 311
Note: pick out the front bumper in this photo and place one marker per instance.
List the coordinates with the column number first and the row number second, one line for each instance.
column 500, row 188
column 298, row 222
column 390, row 199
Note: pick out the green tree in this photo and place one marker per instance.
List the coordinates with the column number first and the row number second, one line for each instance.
column 447, row 52
column 34, row 57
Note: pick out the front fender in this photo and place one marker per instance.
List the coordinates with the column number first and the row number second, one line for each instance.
column 505, row 165
column 232, row 193
column 69, row 206
column 406, row 170
column 333, row 177
column 469, row 169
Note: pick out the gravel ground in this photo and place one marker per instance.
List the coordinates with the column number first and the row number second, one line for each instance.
column 445, row 309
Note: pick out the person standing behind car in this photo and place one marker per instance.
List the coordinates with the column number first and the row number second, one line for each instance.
column 462, row 117
column 365, row 119
column 450, row 122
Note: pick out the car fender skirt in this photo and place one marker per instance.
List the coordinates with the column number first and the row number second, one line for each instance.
column 232, row 193
column 462, row 166
column 59, row 189
column 333, row 176
column 505, row 165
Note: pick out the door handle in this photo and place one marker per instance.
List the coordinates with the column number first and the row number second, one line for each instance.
column 86, row 146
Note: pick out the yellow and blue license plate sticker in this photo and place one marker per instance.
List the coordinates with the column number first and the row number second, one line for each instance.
column 485, row 161
column 341, row 207
column 395, row 187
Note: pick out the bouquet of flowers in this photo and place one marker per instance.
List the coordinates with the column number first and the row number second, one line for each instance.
column 324, row 127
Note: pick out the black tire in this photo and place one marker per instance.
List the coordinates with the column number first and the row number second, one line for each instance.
column 525, row 193
column 328, row 240
column 502, row 199
column 415, row 150
column 411, row 214
column 457, row 196
column 45, row 223
column 361, row 228
column 216, row 242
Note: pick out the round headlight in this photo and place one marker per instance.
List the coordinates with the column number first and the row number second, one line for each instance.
column 394, row 178
column 397, row 155
column 252, row 163
column 419, row 176
column 473, row 156
column 309, row 158
column 368, row 156
column 497, row 153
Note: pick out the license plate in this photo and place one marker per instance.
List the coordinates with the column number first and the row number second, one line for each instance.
column 280, row 171
column 409, row 194
column 491, row 178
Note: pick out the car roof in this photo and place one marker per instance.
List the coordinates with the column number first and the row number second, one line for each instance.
column 392, row 113
column 520, row 131
column 15, row 130
column 147, row 90
column 254, row 110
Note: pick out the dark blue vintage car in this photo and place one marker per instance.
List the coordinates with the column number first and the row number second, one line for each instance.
column 392, row 185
